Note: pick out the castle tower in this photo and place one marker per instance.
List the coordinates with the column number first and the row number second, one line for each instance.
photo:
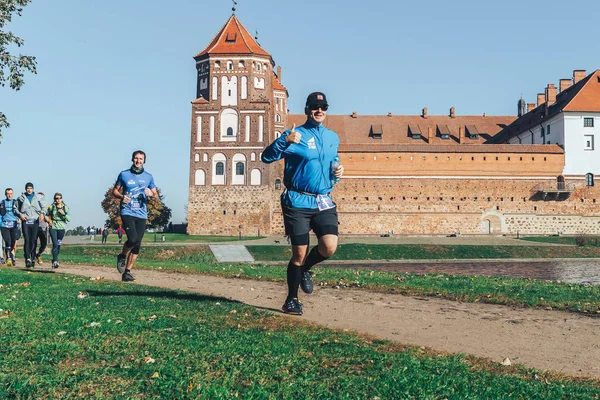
column 239, row 109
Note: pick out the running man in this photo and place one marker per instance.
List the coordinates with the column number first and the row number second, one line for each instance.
column 309, row 152
column 9, row 226
column 29, row 208
column 134, row 187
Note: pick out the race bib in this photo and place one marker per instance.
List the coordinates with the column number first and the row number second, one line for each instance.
column 135, row 203
column 10, row 224
column 30, row 222
column 324, row 202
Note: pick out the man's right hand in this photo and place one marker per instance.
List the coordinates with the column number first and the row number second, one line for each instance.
column 24, row 218
column 293, row 137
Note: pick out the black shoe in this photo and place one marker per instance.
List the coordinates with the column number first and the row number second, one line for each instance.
column 292, row 307
column 306, row 284
column 121, row 259
column 55, row 264
column 127, row 277
column 28, row 263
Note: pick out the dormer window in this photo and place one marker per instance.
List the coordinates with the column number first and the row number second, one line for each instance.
column 444, row 131
column 472, row 132
column 376, row 131
column 231, row 37
column 414, row 131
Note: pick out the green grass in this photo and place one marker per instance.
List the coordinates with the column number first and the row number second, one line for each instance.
column 357, row 251
column 133, row 341
column 173, row 238
column 568, row 240
column 497, row 290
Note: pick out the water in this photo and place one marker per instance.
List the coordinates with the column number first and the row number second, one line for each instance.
column 576, row 271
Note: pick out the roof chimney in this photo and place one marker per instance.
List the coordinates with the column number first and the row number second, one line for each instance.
column 530, row 106
column 564, row 84
column 541, row 99
column 452, row 112
column 578, row 75
column 279, row 74
column 354, row 114
column 424, row 114
column 551, row 92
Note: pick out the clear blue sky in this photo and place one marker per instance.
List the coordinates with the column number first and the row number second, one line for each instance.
column 118, row 75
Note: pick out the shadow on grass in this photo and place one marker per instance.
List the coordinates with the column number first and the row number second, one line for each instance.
column 163, row 294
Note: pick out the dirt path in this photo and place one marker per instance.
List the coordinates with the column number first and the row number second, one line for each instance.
column 548, row 340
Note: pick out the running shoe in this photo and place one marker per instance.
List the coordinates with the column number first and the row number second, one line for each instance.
column 55, row 264
column 2, row 261
column 121, row 259
column 9, row 262
column 28, row 263
column 306, row 284
column 14, row 262
column 292, row 307
column 39, row 259
column 127, row 277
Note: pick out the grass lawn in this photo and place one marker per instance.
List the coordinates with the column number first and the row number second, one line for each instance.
column 497, row 290
column 66, row 336
column 172, row 238
column 358, row 251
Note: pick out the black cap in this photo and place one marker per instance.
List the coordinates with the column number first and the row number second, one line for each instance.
column 28, row 184
column 316, row 98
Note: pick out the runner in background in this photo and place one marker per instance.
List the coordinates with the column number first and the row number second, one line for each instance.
column 58, row 217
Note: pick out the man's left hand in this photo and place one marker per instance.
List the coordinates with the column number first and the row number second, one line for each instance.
column 339, row 171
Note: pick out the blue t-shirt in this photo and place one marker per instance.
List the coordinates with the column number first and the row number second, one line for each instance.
column 133, row 187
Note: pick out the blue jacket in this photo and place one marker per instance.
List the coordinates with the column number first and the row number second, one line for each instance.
column 307, row 164
column 8, row 217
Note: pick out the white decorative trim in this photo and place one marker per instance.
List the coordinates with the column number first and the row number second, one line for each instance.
column 206, row 112
column 252, row 112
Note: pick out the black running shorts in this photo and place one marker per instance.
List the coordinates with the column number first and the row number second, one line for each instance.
column 299, row 221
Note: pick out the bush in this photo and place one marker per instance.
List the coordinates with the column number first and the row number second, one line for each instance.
column 580, row 240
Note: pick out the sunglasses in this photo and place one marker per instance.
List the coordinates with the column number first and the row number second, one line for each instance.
column 315, row 107
column 58, row 198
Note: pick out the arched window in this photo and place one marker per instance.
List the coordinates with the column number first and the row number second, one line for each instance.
column 589, row 179
column 219, row 169
column 217, row 64
column 196, row 157
column 230, row 65
column 259, row 66
column 241, row 64
column 200, row 178
column 252, row 156
column 560, row 183
column 229, row 131
column 239, row 168
column 277, row 118
column 277, row 184
column 205, row 157
column 255, row 177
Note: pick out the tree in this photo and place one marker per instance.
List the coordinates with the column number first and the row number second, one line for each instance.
column 158, row 212
column 12, row 67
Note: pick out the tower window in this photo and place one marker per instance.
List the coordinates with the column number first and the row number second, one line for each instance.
column 217, row 64
column 588, row 122
column 239, row 168
column 230, row 131
column 230, row 65
column 277, row 118
column 241, row 64
column 258, row 66
column 219, row 168
column 277, row 184
column 589, row 179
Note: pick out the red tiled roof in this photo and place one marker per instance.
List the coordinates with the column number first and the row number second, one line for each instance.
column 233, row 38
column 583, row 96
column 395, row 129
column 277, row 85
column 453, row 148
column 200, row 100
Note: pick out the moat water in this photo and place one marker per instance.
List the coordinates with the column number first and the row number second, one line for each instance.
column 576, row 271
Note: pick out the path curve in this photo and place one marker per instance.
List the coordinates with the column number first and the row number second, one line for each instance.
column 548, row 340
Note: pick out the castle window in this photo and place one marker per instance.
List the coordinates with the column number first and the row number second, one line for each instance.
column 588, row 122
column 239, row 168
column 241, row 64
column 277, row 184
column 219, row 168
column 277, row 118
column 230, row 131
column 589, row 142
column 217, row 64
column 259, row 67
column 589, row 179
column 229, row 65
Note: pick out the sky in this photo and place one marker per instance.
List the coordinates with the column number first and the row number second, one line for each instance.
column 118, row 75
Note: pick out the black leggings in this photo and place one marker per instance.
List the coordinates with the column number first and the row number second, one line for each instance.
column 9, row 235
column 30, row 232
column 134, row 229
column 57, row 236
